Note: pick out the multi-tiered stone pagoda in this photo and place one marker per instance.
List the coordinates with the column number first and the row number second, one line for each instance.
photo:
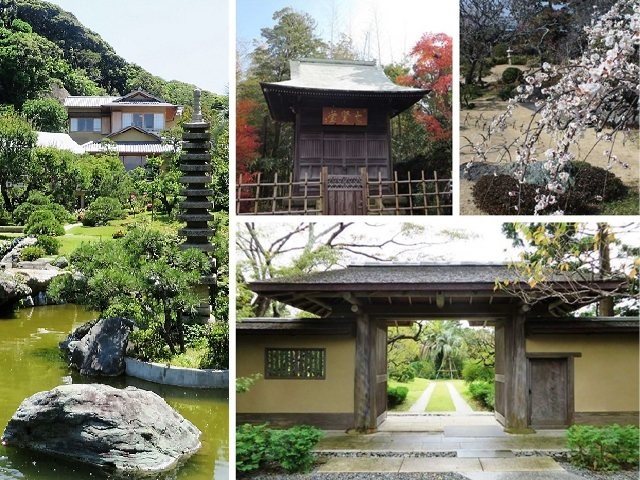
column 195, row 165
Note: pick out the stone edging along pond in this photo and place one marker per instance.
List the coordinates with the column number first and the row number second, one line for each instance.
column 177, row 376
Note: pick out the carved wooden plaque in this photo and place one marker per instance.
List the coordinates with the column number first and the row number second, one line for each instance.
column 344, row 116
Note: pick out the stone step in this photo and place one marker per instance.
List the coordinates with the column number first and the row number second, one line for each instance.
column 195, row 145
column 195, row 136
column 196, row 232
column 196, row 217
column 195, row 168
column 196, row 192
column 195, row 157
column 191, row 204
column 200, row 179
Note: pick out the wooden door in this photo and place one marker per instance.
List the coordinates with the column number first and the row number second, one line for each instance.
column 344, row 195
column 548, row 392
column 381, row 373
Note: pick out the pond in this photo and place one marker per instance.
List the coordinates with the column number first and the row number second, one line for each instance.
column 30, row 362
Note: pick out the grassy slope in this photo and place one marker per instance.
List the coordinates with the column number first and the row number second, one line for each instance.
column 416, row 387
column 440, row 399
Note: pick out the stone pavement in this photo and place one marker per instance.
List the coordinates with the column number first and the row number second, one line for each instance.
column 458, row 401
column 422, row 402
column 474, row 445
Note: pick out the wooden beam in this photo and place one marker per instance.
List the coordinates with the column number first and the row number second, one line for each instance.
column 363, row 384
column 425, row 311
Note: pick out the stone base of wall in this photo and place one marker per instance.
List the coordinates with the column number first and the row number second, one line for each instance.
column 606, row 418
column 326, row 421
column 177, row 376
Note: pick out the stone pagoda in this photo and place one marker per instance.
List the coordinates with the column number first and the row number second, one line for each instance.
column 195, row 165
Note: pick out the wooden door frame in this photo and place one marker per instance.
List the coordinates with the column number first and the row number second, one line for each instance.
column 570, row 385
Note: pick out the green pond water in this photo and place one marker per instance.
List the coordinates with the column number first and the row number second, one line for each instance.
column 30, row 362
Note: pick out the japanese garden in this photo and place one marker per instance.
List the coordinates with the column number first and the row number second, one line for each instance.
column 114, row 260
column 549, row 107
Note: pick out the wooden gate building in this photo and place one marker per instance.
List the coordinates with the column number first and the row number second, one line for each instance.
column 341, row 111
column 552, row 369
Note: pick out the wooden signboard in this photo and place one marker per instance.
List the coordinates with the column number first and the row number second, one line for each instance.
column 344, row 116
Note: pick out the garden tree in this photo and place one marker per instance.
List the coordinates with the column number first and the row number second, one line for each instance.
column 480, row 345
column 442, row 342
column 46, row 114
column 159, row 180
column 577, row 254
column 484, row 23
column 432, row 57
column 17, row 140
column 292, row 37
column 104, row 176
column 596, row 91
column 8, row 12
column 343, row 49
column 144, row 277
column 247, row 140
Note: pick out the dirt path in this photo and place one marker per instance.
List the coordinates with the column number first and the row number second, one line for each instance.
column 474, row 122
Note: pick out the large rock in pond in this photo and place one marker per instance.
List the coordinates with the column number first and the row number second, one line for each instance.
column 130, row 432
column 98, row 348
column 12, row 290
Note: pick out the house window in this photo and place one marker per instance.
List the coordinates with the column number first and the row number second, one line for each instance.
column 295, row 363
column 86, row 125
column 151, row 122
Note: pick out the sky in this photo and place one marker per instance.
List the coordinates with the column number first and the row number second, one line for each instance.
column 396, row 25
column 164, row 36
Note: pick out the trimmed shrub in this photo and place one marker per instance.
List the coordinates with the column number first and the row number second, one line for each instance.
column 473, row 370
column 289, row 449
column 101, row 210
column 607, row 448
column 32, row 252
column 402, row 373
column 519, row 60
column 483, row 392
column 511, row 75
column 43, row 222
column 507, row 92
column 396, row 395
column 590, row 186
column 51, row 245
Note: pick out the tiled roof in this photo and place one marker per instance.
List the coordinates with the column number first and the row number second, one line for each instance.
column 140, row 148
column 61, row 141
column 87, row 101
column 340, row 75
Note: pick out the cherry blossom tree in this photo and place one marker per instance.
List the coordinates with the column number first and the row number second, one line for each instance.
column 598, row 90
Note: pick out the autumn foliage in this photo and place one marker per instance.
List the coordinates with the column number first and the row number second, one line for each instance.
column 247, row 140
column 432, row 57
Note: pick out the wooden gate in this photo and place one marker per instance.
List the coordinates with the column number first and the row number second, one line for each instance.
column 381, row 372
column 549, row 392
column 344, row 194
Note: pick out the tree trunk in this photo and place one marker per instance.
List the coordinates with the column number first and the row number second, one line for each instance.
column 468, row 79
column 605, row 306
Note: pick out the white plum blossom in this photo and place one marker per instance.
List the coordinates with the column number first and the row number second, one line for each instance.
column 599, row 90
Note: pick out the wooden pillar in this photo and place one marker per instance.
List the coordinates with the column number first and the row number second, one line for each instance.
column 365, row 379
column 516, row 393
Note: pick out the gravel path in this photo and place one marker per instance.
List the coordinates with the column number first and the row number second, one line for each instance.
column 458, row 401
column 589, row 475
column 423, row 401
column 359, row 476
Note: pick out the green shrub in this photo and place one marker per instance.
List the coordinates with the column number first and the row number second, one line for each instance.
column 51, row 245
column 500, row 60
column 511, row 75
column 402, row 373
column 252, row 442
column 289, row 449
column 483, row 392
column 519, row 60
column 474, row 370
column 43, row 222
column 507, row 92
column 101, row 210
column 217, row 355
column 604, row 448
column 396, row 395
column 38, row 201
column 32, row 252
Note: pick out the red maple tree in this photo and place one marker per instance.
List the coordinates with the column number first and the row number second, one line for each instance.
column 247, row 139
column 432, row 70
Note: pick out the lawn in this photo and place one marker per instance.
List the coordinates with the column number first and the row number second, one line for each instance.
column 75, row 236
column 440, row 399
column 416, row 387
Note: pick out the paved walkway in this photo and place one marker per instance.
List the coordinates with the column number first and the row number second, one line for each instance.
column 461, row 405
column 423, row 401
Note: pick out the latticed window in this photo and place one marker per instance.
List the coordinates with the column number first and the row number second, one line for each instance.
column 295, row 363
